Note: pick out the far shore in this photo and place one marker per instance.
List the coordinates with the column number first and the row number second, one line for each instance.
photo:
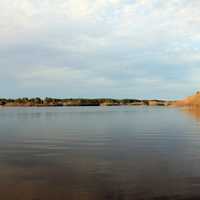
column 191, row 101
column 49, row 102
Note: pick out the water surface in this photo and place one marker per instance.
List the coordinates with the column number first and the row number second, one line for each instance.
column 97, row 153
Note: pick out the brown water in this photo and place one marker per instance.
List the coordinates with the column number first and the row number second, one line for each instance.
column 97, row 153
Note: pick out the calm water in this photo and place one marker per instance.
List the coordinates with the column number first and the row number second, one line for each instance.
column 97, row 153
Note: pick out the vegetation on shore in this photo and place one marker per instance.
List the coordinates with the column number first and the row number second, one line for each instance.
column 191, row 101
column 26, row 102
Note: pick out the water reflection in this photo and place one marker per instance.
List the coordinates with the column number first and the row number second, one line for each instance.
column 194, row 112
column 98, row 153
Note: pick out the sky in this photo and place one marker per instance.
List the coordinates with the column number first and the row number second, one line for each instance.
column 99, row 48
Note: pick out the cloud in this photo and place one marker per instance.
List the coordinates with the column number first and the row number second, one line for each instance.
column 106, row 47
column 49, row 77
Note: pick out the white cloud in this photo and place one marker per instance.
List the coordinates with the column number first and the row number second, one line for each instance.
column 108, row 42
column 63, row 76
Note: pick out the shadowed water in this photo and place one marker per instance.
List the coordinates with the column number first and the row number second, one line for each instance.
column 97, row 153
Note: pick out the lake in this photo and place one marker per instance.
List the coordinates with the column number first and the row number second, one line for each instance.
column 97, row 153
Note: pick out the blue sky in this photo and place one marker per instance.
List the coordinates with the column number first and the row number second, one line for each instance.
column 99, row 48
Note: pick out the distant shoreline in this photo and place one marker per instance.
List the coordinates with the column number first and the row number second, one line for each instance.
column 49, row 102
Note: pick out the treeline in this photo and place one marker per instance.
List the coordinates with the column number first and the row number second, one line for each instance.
column 78, row 102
